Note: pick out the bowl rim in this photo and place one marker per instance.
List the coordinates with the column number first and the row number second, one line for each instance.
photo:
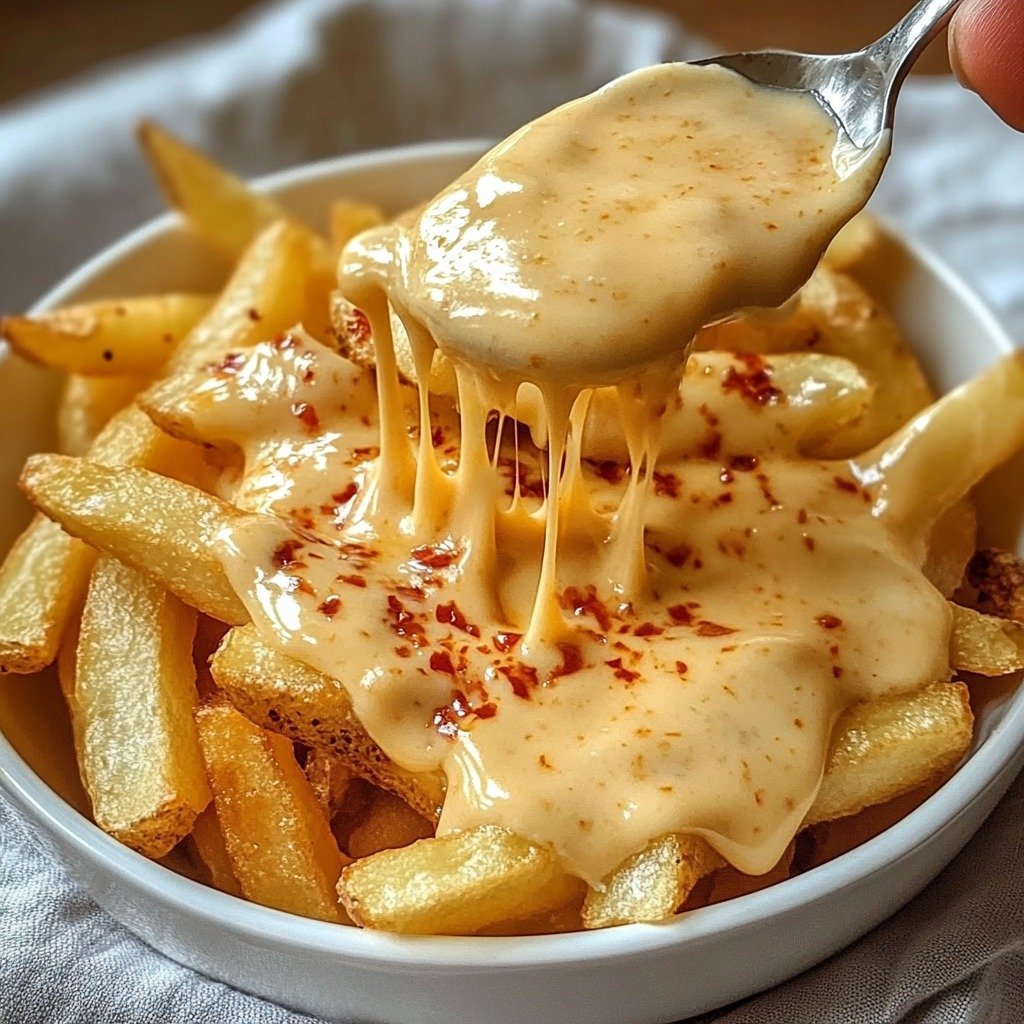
column 467, row 954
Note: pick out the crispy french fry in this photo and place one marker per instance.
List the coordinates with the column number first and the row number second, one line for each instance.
column 278, row 841
column 455, row 884
column 885, row 748
column 349, row 218
column 87, row 406
column 855, row 240
column 387, row 823
column 134, row 698
column 652, row 884
column 113, row 337
column 169, row 536
column 879, row 751
column 283, row 695
column 221, row 208
column 210, row 852
column 985, row 644
column 329, row 778
column 998, row 577
column 44, row 575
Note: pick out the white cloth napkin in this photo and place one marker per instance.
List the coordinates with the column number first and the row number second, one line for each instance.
column 312, row 78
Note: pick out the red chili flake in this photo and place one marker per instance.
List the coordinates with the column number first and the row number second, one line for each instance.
column 648, row 629
column 836, row 672
column 370, row 451
column 449, row 613
column 345, row 495
column 706, row 628
column 412, row 593
column 666, row 484
column 522, row 677
column 355, row 325
column 572, row 661
column 707, row 415
column 253, row 315
column 404, row 623
column 488, row 710
column 679, row 556
column 403, row 651
column 357, row 554
column 724, row 498
column 285, row 554
column 504, row 642
column 621, row 672
column 682, row 668
column 801, row 516
column 828, row 621
column 330, row 606
column 435, row 556
column 446, row 721
column 844, row 484
column 230, row 364
column 306, row 415
column 743, row 463
column 584, row 601
column 753, row 380
column 610, row 470
column 302, row 586
column 680, row 614
column 766, row 491
column 441, row 661
column 353, row 580
column 710, row 446
column 808, row 542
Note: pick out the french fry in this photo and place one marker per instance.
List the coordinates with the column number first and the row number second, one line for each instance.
column 221, row 208
column 113, row 337
column 652, row 884
column 998, row 577
column 134, row 698
column 283, row 695
column 985, row 644
column 855, row 240
column 387, row 823
column 329, row 777
column 44, row 575
column 456, row 884
column 349, row 218
column 879, row 751
column 885, row 748
column 277, row 839
column 87, row 406
column 951, row 544
column 210, row 852
column 170, row 535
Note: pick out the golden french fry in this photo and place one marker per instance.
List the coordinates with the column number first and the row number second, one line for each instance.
column 985, row 644
column 998, row 577
column 277, row 839
column 87, row 406
column 387, row 823
column 210, row 852
column 169, row 536
column 134, row 698
column 885, row 748
column 283, row 695
column 221, row 208
column 652, row 884
column 45, row 573
column 855, row 240
column 349, row 218
column 456, row 884
column 113, row 337
column 329, row 777
column 951, row 544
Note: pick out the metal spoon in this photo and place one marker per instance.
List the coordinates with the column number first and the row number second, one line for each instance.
column 858, row 89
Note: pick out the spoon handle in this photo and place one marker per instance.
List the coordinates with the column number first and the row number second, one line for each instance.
column 902, row 45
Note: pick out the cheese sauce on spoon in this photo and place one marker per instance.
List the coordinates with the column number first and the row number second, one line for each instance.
column 593, row 657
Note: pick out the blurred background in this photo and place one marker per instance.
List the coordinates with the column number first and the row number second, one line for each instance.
column 43, row 42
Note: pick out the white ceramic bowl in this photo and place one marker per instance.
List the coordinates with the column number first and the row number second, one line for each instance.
column 639, row 973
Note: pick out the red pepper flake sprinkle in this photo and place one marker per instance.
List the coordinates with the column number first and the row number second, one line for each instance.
column 707, row 415
column 621, row 672
column 808, row 542
column 522, row 677
column 666, row 484
column 306, row 415
column 345, row 495
column 435, row 556
column 253, row 314
column 572, row 661
column 648, row 629
column 330, row 606
column 836, row 672
column 353, row 580
column 404, row 623
column 680, row 614
column 608, row 469
column 711, row 445
column 679, row 556
column 706, row 628
column 682, row 668
column 743, row 463
column 504, row 642
column 801, row 516
column 828, row 621
column 584, row 601
column 230, row 364
column 403, row 651
column 766, row 491
column 441, row 661
column 302, row 586
column 752, row 379
column 488, row 710
column 286, row 554
column 844, row 484
column 449, row 613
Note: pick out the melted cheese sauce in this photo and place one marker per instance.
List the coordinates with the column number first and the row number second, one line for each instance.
column 594, row 645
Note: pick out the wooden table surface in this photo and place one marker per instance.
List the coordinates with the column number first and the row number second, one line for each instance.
column 45, row 41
